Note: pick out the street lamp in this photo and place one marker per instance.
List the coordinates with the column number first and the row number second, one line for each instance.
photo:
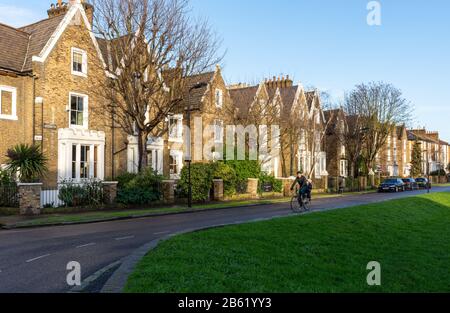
column 188, row 157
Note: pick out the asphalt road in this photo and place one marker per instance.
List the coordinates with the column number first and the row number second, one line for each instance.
column 35, row 260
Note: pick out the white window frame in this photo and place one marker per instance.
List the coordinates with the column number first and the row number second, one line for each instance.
column 343, row 168
column 84, row 65
column 85, row 110
column 13, row 115
column 218, row 126
column 67, row 138
column 177, row 156
column 179, row 129
column 219, row 98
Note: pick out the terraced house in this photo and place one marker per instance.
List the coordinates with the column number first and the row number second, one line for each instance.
column 301, row 124
column 48, row 75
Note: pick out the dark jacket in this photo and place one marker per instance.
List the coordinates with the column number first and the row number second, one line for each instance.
column 302, row 182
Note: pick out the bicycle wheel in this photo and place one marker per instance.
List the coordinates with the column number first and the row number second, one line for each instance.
column 296, row 207
column 305, row 203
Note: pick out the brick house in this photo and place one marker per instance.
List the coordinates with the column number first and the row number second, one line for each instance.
column 49, row 71
column 394, row 159
column 335, row 149
column 435, row 152
column 299, row 116
column 209, row 114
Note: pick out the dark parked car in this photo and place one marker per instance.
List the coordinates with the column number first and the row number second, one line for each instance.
column 423, row 182
column 410, row 184
column 392, row 184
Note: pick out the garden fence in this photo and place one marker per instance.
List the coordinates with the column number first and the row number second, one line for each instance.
column 9, row 196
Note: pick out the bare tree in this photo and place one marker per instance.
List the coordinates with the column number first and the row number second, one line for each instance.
column 152, row 47
column 379, row 107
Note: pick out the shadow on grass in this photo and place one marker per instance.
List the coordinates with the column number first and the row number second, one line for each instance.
column 320, row 252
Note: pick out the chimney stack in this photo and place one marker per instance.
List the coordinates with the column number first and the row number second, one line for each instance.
column 280, row 82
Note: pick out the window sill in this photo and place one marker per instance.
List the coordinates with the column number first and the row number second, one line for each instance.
column 82, row 127
column 8, row 117
column 80, row 74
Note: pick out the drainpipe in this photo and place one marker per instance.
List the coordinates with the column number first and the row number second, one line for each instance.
column 34, row 107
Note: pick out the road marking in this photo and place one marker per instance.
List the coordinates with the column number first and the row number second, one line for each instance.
column 124, row 238
column 86, row 245
column 37, row 258
column 161, row 233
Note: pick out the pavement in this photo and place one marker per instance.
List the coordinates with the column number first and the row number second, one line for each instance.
column 35, row 260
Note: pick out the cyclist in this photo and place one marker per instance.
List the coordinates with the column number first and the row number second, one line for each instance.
column 305, row 186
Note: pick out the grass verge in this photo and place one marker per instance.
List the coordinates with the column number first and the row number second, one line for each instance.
column 320, row 252
column 65, row 215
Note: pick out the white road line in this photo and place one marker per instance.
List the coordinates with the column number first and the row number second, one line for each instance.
column 39, row 257
column 161, row 233
column 86, row 245
column 124, row 238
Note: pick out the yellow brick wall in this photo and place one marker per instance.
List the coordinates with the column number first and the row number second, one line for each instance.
column 20, row 131
column 54, row 85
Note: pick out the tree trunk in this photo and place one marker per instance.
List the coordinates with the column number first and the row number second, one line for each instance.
column 142, row 147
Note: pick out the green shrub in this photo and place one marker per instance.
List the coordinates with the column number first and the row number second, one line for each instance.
column 244, row 170
column 225, row 172
column 89, row 193
column 28, row 161
column 265, row 179
column 142, row 188
column 124, row 179
column 201, row 179
column 5, row 178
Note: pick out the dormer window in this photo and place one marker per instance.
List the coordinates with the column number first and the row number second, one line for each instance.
column 79, row 62
column 219, row 98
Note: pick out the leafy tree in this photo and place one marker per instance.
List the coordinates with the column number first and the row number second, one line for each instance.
column 416, row 159
column 28, row 161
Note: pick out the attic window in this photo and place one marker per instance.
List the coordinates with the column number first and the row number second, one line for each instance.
column 79, row 62
column 219, row 98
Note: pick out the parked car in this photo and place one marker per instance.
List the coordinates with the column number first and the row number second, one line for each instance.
column 423, row 182
column 392, row 184
column 410, row 184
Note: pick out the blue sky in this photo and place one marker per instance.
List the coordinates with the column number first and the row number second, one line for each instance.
column 327, row 44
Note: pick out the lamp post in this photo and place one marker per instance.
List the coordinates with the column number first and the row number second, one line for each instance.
column 188, row 157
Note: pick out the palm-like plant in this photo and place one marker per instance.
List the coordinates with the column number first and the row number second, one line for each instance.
column 28, row 161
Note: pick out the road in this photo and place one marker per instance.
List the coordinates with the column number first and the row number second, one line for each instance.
column 35, row 260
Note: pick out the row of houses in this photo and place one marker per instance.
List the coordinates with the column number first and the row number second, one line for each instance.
column 395, row 157
column 49, row 71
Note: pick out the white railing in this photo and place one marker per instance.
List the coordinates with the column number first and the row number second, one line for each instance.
column 50, row 198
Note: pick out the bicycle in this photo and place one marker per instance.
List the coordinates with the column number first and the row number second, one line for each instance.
column 299, row 202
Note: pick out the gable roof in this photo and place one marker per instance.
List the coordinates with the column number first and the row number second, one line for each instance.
column 40, row 34
column 13, row 48
column 288, row 96
column 243, row 98
column 196, row 95
column 19, row 45
column 42, row 37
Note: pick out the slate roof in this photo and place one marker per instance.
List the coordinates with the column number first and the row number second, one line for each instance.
column 13, row 48
column 288, row 97
column 196, row 95
column 19, row 45
column 243, row 98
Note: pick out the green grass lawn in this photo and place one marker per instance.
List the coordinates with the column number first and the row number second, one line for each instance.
column 319, row 252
